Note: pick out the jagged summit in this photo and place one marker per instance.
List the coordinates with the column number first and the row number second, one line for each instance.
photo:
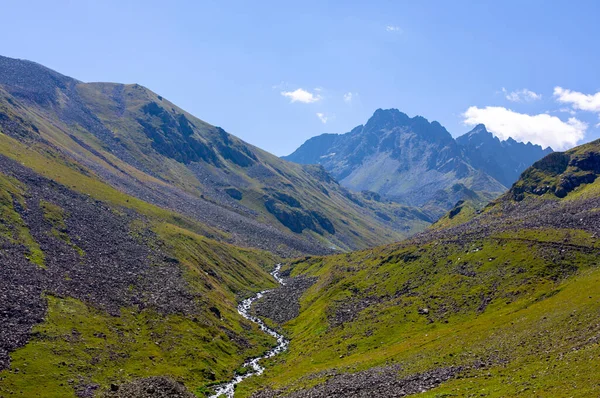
column 406, row 159
column 503, row 160
column 482, row 133
column 414, row 161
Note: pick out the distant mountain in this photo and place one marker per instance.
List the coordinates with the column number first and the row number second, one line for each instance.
column 408, row 160
column 418, row 163
column 144, row 145
column 503, row 160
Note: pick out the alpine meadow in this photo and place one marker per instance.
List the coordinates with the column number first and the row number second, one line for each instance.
column 324, row 238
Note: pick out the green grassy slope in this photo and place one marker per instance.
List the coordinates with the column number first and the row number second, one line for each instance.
column 140, row 143
column 69, row 150
column 511, row 295
column 80, row 344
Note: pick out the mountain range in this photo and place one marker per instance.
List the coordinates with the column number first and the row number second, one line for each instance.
column 418, row 163
column 139, row 143
column 132, row 231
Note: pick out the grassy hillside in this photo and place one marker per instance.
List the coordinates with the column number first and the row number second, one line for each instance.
column 141, row 144
column 100, row 288
column 500, row 303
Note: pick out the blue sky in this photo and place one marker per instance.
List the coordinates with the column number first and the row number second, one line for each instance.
column 277, row 73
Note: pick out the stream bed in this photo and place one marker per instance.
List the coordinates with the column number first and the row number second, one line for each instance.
column 228, row 389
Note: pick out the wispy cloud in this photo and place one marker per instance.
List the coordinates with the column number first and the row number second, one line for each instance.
column 570, row 111
column 349, row 96
column 301, row 95
column 542, row 129
column 581, row 101
column 523, row 95
column 322, row 117
column 393, row 28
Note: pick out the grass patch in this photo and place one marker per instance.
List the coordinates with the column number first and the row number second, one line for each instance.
column 79, row 345
column 12, row 226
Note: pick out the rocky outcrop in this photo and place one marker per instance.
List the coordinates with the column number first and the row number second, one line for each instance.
column 173, row 136
column 290, row 212
column 559, row 173
column 151, row 387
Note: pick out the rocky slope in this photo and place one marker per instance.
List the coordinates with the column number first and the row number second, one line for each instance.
column 147, row 147
column 96, row 294
column 498, row 302
column 417, row 162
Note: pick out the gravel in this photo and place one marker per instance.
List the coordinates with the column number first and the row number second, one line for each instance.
column 151, row 387
column 283, row 304
column 380, row 382
column 117, row 269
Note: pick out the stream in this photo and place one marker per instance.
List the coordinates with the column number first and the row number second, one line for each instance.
column 228, row 389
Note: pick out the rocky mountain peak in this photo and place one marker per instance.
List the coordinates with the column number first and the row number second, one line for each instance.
column 386, row 119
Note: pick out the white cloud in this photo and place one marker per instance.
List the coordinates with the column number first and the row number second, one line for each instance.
column 584, row 102
column 568, row 110
column 301, row 95
column 542, row 129
column 322, row 117
column 349, row 96
column 393, row 28
column 523, row 95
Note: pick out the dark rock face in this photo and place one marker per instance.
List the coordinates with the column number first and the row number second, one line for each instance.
column 238, row 154
column 569, row 182
column 456, row 210
column 234, row 193
column 296, row 220
column 103, row 265
column 323, row 221
column 503, row 160
column 287, row 199
column 369, row 195
column 173, row 136
column 290, row 212
column 151, row 387
column 590, row 161
column 382, row 382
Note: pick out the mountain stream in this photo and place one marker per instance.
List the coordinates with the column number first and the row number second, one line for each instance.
column 228, row 390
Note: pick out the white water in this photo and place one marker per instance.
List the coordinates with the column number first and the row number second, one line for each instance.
column 228, row 390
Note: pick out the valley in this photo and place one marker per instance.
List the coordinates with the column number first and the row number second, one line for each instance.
column 147, row 253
